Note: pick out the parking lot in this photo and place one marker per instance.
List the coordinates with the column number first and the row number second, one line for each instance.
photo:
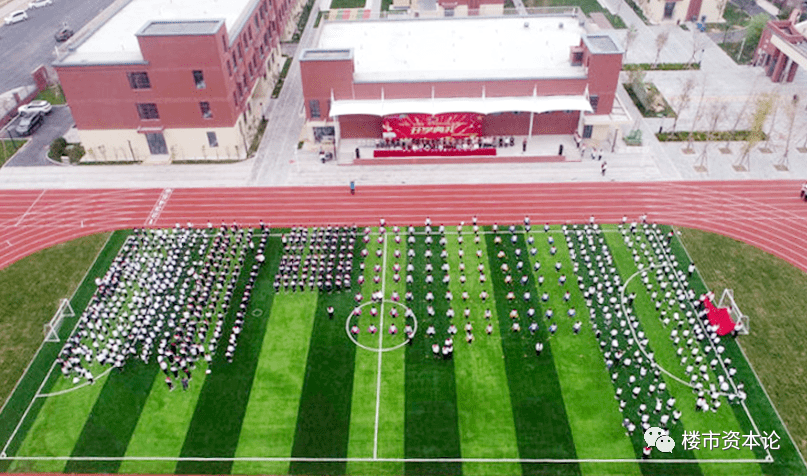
column 54, row 125
column 27, row 44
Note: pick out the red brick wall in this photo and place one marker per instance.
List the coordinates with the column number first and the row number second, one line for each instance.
column 519, row 124
column 360, row 126
column 319, row 77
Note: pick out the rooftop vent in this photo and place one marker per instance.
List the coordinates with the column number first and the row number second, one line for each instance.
column 526, row 24
column 560, row 25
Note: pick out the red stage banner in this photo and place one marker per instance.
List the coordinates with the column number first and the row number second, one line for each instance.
column 426, row 126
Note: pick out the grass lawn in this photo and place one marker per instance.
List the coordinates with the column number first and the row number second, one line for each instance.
column 732, row 49
column 667, row 112
column 772, row 293
column 8, row 148
column 347, row 4
column 386, row 4
column 53, row 95
column 300, row 388
column 31, row 290
column 587, row 6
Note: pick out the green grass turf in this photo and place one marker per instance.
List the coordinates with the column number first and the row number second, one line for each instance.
column 594, row 418
column 542, row 427
column 323, row 418
column 35, row 277
column 622, row 380
column 486, row 424
column 726, row 263
column 365, row 382
column 271, row 417
column 432, row 426
column 8, row 148
column 113, row 418
column 60, row 422
column 219, row 413
column 723, row 419
column 163, row 424
column 40, row 367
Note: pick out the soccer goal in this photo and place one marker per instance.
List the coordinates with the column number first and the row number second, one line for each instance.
column 737, row 315
column 52, row 328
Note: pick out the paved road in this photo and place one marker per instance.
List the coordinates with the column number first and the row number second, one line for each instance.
column 56, row 125
column 26, row 45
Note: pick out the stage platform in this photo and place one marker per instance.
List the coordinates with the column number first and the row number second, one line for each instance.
column 539, row 149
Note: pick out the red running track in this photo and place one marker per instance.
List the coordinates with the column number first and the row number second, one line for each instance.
column 766, row 214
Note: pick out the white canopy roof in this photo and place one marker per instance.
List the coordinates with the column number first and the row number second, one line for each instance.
column 385, row 107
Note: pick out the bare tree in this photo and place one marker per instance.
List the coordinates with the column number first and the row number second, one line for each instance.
column 630, row 37
column 699, row 42
column 661, row 41
column 766, row 148
column 763, row 108
column 681, row 102
column 716, row 112
column 738, row 118
column 691, row 138
column 791, row 110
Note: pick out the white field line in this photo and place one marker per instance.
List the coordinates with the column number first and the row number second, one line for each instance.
column 11, row 437
column 739, row 344
column 159, row 206
column 73, row 389
column 388, row 460
column 706, row 331
column 30, row 208
column 380, row 346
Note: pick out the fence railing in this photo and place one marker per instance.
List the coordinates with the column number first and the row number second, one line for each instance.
column 358, row 14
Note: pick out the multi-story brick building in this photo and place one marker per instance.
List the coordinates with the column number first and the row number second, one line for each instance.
column 494, row 76
column 184, row 79
column 782, row 48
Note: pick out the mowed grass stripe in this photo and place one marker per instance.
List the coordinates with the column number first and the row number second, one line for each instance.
column 721, row 421
column 217, row 419
column 112, row 420
column 163, row 425
column 542, row 427
column 271, row 417
column 323, row 418
column 486, row 424
column 729, row 263
column 432, row 428
column 622, row 381
column 584, row 379
column 365, row 383
column 29, row 384
column 57, row 427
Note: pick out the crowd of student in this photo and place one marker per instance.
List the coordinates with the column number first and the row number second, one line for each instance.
column 320, row 258
column 445, row 143
column 167, row 292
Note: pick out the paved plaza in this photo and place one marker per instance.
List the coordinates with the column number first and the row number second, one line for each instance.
column 279, row 162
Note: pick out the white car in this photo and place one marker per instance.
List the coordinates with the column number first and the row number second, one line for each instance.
column 35, row 106
column 40, row 3
column 16, row 17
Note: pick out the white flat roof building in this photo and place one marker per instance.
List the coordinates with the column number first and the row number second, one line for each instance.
column 115, row 40
column 457, row 49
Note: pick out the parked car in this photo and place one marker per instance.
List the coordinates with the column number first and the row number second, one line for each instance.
column 35, row 106
column 40, row 3
column 16, row 17
column 63, row 34
column 29, row 123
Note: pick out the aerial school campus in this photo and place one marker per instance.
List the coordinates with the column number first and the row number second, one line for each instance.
column 513, row 307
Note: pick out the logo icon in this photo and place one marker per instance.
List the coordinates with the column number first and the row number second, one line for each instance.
column 655, row 436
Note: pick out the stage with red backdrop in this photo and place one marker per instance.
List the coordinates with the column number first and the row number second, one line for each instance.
column 427, row 126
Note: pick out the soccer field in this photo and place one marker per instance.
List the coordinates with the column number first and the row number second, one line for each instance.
column 310, row 389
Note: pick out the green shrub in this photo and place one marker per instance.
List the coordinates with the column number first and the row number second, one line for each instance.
column 57, row 148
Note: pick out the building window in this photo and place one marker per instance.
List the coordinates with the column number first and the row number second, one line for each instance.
column 235, row 98
column 139, row 80
column 240, row 53
column 449, row 12
column 199, row 79
column 206, row 112
column 212, row 140
column 587, row 132
column 594, row 100
column 147, row 110
column 669, row 7
column 257, row 23
column 313, row 106
column 229, row 68
column 224, row 42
